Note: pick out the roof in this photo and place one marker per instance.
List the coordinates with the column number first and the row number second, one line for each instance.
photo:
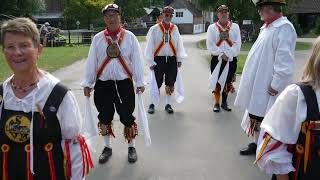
column 57, row 15
column 305, row 7
column 148, row 10
column 183, row 4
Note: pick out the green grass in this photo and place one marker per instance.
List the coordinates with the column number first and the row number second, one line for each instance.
column 141, row 38
column 309, row 35
column 241, row 60
column 247, row 46
column 51, row 59
column 75, row 39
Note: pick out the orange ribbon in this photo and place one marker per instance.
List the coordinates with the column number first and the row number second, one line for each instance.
column 161, row 44
column 28, row 172
column 5, row 149
column 67, row 160
column 221, row 30
column 108, row 59
column 86, row 157
column 48, row 148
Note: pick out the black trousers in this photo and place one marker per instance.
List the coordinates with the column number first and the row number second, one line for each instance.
column 258, row 118
column 115, row 95
column 232, row 67
column 166, row 69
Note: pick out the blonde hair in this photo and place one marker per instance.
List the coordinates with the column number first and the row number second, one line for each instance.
column 21, row 26
column 311, row 72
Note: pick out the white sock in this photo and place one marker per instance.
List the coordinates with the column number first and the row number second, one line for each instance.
column 168, row 99
column 107, row 141
column 132, row 143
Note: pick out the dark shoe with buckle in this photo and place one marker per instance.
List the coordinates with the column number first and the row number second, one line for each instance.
column 224, row 105
column 132, row 155
column 250, row 150
column 216, row 108
column 169, row 109
column 151, row 109
column 105, row 155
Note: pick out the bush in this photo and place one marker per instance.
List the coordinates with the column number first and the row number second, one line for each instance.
column 295, row 22
column 317, row 29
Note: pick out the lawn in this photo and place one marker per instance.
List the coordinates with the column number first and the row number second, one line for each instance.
column 51, row 59
column 141, row 38
column 247, row 46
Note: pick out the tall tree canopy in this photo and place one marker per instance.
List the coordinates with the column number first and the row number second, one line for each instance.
column 132, row 9
column 21, row 7
column 239, row 9
column 84, row 11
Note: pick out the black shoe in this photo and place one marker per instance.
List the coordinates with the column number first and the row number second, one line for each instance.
column 216, row 108
column 250, row 150
column 151, row 109
column 132, row 155
column 224, row 105
column 169, row 109
column 105, row 155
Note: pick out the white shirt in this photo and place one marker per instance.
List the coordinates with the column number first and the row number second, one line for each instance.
column 283, row 122
column 269, row 62
column 131, row 53
column 68, row 114
column 213, row 37
column 155, row 36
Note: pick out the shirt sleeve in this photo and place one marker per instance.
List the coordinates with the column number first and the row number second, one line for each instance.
column 211, row 42
column 277, row 161
column 235, row 49
column 69, row 117
column 91, row 66
column 283, row 124
column 181, row 52
column 284, row 57
column 150, row 46
column 137, row 62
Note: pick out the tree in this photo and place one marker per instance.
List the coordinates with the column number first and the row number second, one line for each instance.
column 132, row 9
column 84, row 11
column 21, row 7
column 240, row 9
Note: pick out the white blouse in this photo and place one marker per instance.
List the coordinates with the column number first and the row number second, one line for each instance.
column 68, row 114
column 283, row 123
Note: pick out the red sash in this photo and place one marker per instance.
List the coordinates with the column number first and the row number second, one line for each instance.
column 120, row 58
column 227, row 29
column 161, row 44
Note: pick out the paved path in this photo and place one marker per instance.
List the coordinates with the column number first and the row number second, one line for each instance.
column 192, row 144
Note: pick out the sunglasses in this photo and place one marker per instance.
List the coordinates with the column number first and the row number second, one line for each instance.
column 169, row 15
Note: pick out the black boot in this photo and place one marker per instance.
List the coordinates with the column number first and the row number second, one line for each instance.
column 169, row 109
column 105, row 155
column 132, row 155
column 224, row 103
column 250, row 150
column 216, row 108
column 151, row 109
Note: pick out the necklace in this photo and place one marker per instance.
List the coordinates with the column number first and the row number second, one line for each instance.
column 25, row 88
